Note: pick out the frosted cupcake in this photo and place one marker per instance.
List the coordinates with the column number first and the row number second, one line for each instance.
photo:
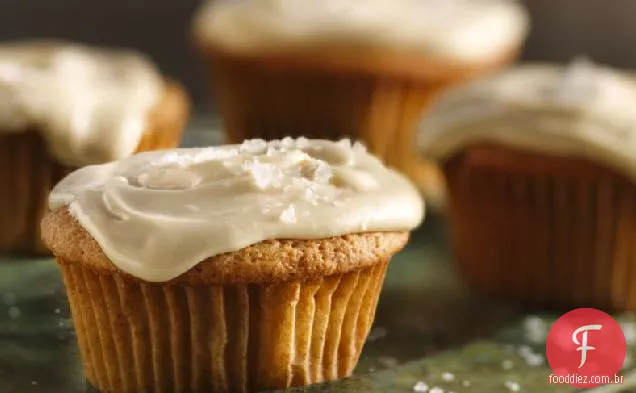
column 541, row 171
column 350, row 68
column 239, row 268
column 63, row 106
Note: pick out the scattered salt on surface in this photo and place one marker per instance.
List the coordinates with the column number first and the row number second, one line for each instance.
column 629, row 330
column 34, row 383
column 448, row 377
column 536, row 329
column 436, row 389
column 322, row 172
column 512, row 386
column 507, row 364
column 420, row 387
column 57, row 311
column 529, row 356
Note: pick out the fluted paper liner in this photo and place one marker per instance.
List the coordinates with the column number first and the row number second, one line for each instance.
column 29, row 173
column 143, row 337
column 381, row 109
column 544, row 231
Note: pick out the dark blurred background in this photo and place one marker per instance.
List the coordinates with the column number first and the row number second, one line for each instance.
column 601, row 29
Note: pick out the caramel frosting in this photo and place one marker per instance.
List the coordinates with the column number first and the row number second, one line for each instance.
column 157, row 214
column 582, row 110
column 89, row 105
column 462, row 30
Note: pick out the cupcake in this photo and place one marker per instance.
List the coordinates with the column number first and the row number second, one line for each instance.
column 64, row 106
column 541, row 170
column 237, row 268
column 365, row 70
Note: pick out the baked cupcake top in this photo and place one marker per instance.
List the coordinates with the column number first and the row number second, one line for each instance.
column 581, row 109
column 157, row 214
column 90, row 105
column 459, row 30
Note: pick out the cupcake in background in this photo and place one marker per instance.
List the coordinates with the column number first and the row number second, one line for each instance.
column 540, row 163
column 64, row 106
column 240, row 268
column 362, row 69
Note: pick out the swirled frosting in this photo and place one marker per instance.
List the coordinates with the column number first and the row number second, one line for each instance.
column 582, row 109
column 465, row 30
column 158, row 214
column 89, row 105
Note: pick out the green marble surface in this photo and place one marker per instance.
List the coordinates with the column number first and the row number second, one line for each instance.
column 429, row 331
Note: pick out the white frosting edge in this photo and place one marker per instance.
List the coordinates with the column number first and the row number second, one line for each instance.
column 458, row 30
column 155, row 236
column 589, row 118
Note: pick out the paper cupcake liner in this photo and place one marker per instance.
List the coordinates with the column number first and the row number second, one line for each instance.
column 142, row 337
column 544, row 231
column 29, row 173
column 381, row 110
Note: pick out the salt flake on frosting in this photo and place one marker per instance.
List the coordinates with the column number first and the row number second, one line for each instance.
column 253, row 146
column 288, row 215
column 578, row 83
column 264, row 175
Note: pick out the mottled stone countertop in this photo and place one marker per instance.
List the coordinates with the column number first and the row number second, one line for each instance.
column 429, row 331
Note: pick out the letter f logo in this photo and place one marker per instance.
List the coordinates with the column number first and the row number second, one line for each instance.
column 583, row 344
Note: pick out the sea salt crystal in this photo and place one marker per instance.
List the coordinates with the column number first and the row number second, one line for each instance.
column 579, row 82
column 629, row 330
column 302, row 142
column 264, row 175
column 288, row 215
column 536, row 330
column 345, row 143
column 465, row 383
column 34, row 383
column 253, row 146
column 507, row 364
column 322, row 172
column 436, row 389
column 534, row 360
column 448, row 377
column 57, row 311
column 420, row 387
column 359, row 147
column 512, row 386
column 529, row 356
column 288, row 142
